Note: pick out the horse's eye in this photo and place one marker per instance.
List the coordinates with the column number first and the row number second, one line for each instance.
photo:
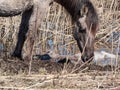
column 81, row 30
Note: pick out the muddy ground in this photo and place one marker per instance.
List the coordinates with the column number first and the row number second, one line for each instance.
column 39, row 75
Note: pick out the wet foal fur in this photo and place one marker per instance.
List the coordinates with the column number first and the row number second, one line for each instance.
column 84, row 19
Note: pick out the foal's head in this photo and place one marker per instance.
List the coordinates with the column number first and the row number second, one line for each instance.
column 85, row 29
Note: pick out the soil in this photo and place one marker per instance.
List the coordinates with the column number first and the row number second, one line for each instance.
column 14, row 66
column 48, row 75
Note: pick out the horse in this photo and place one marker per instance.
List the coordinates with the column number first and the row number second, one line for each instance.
column 84, row 19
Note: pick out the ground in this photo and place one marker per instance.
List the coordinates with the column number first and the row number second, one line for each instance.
column 49, row 75
column 38, row 75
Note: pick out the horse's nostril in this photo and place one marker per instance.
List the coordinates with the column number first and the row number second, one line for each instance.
column 85, row 58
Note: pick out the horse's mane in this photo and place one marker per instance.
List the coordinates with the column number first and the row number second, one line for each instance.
column 74, row 7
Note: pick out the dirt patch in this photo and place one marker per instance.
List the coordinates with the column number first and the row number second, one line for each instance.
column 49, row 75
column 14, row 66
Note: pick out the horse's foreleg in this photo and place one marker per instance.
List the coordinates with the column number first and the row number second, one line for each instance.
column 39, row 12
column 22, row 34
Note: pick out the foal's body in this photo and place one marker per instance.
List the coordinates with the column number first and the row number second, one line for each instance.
column 83, row 16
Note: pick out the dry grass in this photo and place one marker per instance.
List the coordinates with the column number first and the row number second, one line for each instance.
column 55, row 34
column 81, row 81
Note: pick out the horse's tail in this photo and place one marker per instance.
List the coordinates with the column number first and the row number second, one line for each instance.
column 14, row 7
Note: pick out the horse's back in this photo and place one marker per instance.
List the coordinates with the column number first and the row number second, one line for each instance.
column 14, row 7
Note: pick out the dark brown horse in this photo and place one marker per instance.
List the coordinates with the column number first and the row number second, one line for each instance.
column 84, row 19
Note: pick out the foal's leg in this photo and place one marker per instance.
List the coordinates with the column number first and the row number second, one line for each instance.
column 22, row 34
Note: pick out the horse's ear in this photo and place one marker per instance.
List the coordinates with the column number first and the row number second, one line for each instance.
column 84, row 10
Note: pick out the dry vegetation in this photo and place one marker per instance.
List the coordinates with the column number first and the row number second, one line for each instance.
column 55, row 34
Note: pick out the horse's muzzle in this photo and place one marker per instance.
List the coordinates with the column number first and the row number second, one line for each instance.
column 87, row 58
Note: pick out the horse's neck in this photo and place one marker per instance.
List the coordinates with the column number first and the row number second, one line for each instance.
column 72, row 6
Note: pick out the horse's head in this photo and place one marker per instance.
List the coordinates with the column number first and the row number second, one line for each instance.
column 85, row 30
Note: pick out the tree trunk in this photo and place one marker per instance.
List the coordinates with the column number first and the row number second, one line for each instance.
column 14, row 7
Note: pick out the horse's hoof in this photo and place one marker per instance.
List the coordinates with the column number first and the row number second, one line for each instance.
column 42, row 57
column 17, row 56
column 63, row 61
